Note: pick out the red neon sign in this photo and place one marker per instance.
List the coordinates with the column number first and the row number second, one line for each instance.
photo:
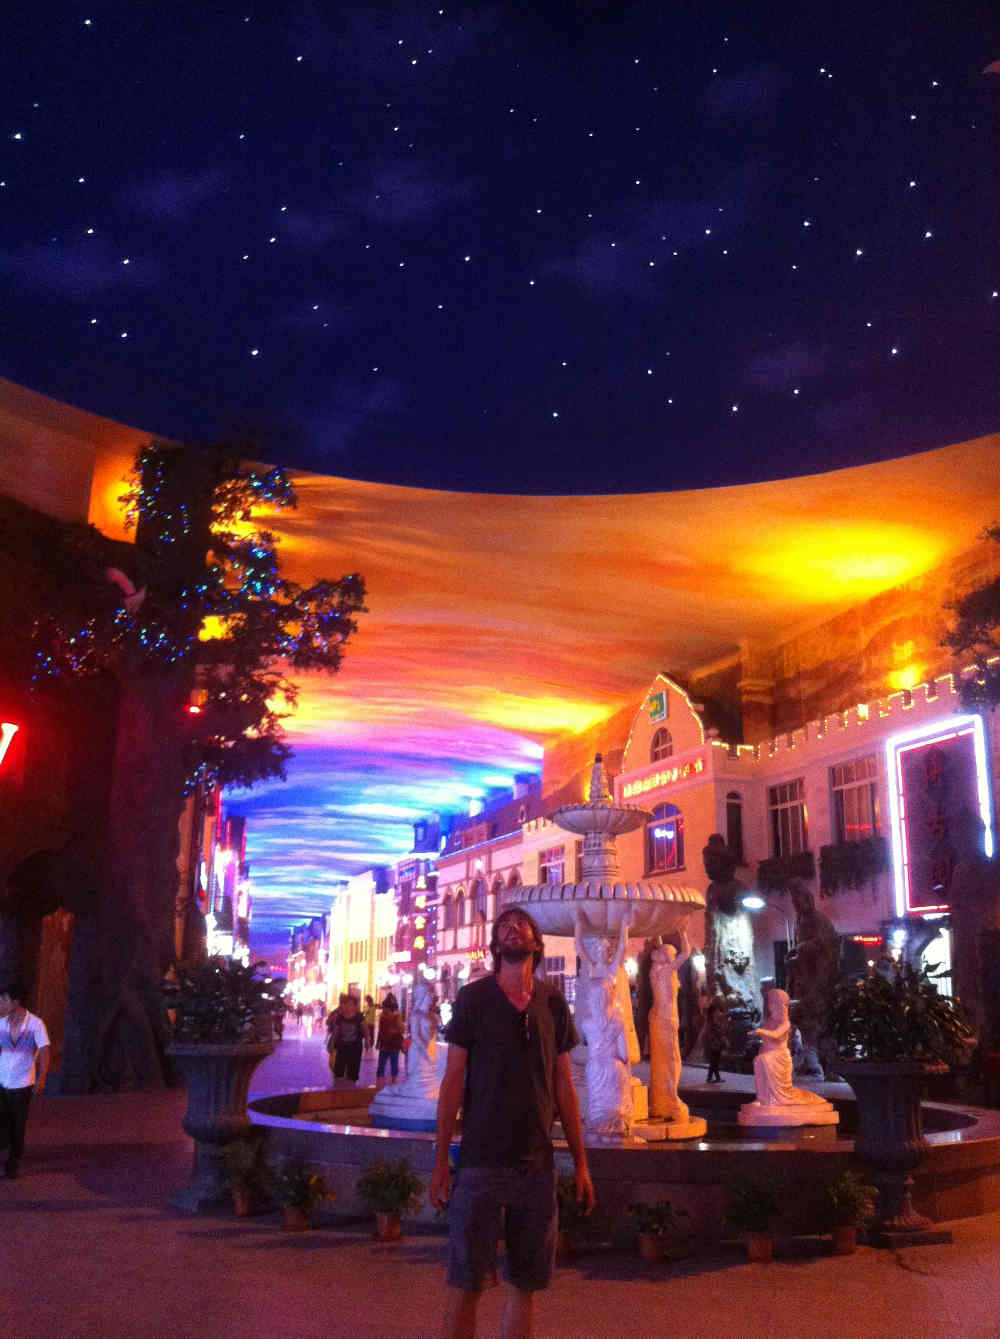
column 7, row 733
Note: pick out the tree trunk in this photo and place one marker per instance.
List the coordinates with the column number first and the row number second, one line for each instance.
column 135, row 914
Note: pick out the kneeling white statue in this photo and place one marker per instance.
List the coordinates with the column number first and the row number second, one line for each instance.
column 778, row 1102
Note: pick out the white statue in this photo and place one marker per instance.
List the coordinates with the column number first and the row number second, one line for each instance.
column 664, row 1044
column 608, row 1030
column 412, row 1104
column 602, row 958
column 778, row 1102
column 609, row 1076
column 422, row 1057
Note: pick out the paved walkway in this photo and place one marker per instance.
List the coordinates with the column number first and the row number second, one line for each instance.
column 90, row 1251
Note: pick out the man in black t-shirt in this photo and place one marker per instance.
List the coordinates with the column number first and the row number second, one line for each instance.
column 508, row 1069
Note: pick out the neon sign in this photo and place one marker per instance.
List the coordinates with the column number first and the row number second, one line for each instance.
column 936, row 773
column 7, row 733
column 663, row 778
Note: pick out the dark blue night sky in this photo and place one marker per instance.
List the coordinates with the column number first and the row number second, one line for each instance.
column 535, row 247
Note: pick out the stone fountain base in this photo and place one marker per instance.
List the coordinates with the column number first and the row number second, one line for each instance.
column 654, row 1130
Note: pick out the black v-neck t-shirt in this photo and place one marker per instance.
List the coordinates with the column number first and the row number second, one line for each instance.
column 509, row 1102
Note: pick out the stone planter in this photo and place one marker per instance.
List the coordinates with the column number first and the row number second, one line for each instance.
column 890, row 1141
column 218, row 1080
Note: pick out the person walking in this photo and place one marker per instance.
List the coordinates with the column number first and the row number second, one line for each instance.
column 24, row 1064
column 345, row 1038
column 716, row 1035
column 370, row 1013
column 508, row 1068
column 390, row 1039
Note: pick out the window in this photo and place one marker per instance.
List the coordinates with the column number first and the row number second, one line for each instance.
column 662, row 745
column 787, row 806
column 479, row 900
column 665, row 839
column 460, row 901
column 552, row 864
column 734, row 824
column 555, row 972
column 447, row 914
column 855, row 799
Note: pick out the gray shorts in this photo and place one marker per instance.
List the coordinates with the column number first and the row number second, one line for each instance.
column 527, row 1202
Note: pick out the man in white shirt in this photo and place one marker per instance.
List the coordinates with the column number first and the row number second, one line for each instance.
column 24, row 1063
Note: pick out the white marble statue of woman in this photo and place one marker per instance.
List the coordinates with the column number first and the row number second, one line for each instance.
column 778, row 1102
column 602, row 958
column 422, row 1078
column 664, row 1043
column 605, row 1027
column 609, row 1077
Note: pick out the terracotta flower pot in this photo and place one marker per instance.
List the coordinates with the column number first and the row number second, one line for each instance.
column 388, row 1227
column 760, row 1246
column 243, row 1203
column 296, row 1219
column 845, row 1239
column 650, row 1247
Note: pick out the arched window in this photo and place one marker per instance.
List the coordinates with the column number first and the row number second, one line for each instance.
column 448, row 913
column 662, row 745
column 665, row 840
column 446, row 982
column 479, row 900
column 734, row 824
column 497, row 894
column 460, row 903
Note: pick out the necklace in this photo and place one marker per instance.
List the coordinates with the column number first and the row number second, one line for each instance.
column 21, row 1018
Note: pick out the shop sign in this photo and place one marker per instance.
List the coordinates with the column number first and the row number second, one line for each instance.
column 658, row 707
column 665, row 777
column 7, row 732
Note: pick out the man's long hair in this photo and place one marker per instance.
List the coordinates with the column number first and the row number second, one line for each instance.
column 539, row 953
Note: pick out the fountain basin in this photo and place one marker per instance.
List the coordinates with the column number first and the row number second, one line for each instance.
column 959, row 1178
column 605, row 819
column 654, row 908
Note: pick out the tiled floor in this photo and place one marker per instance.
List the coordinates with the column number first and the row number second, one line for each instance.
column 88, row 1250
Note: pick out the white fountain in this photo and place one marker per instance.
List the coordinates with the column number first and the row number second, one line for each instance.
column 600, row 913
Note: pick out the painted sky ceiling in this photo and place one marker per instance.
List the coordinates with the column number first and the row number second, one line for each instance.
column 500, row 622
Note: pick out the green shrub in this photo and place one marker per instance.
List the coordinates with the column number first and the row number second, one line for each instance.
column 297, row 1187
column 847, row 1201
column 753, row 1204
column 902, row 1016
column 656, row 1220
column 390, row 1187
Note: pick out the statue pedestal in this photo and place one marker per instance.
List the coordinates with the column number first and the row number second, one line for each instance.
column 654, row 1130
column 819, row 1112
column 393, row 1109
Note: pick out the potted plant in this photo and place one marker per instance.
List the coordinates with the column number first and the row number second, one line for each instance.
column 220, row 1014
column 572, row 1216
column 299, row 1190
column 892, row 1030
column 655, row 1224
column 246, row 1172
column 753, row 1208
column 847, row 1203
column 391, row 1190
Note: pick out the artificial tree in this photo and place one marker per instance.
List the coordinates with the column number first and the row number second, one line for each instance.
column 198, row 605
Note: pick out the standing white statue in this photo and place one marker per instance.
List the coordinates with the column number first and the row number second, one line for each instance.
column 412, row 1104
column 605, row 1027
column 778, row 1102
column 664, row 1042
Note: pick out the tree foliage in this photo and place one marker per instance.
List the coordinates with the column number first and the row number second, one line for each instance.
column 975, row 636
column 201, row 586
